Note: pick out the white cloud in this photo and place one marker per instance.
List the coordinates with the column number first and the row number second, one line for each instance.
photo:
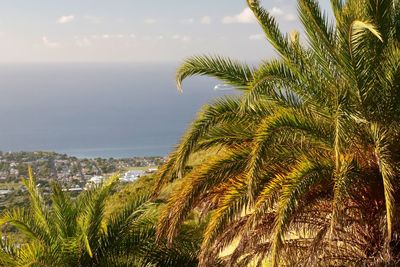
column 290, row 17
column 182, row 38
column 66, row 19
column 82, row 42
column 246, row 16
column 278, row 12
column 187, row 21
column 206, row 20
column 256, row 37
column 48, row 43
column 153, row 38
column 112, row 36
column 150, row 21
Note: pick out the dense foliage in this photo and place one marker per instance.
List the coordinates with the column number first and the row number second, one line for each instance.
column 91, row 230
column 308, row 166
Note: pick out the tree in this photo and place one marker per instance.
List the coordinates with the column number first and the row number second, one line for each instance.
column 67, row 232
column 307, row 172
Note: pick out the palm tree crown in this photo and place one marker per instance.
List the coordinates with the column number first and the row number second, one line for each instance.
column 77, row 232
column 307, row 166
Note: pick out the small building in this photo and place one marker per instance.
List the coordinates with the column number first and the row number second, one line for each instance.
column 73, row 189
column 131, row 176
column 152, row 170
column 94, row 181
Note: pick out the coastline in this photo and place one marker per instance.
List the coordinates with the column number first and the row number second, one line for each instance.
column 117, row 152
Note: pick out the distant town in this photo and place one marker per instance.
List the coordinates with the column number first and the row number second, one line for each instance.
column 74, row 174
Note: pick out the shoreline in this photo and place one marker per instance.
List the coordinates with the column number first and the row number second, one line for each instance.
column 95, row 153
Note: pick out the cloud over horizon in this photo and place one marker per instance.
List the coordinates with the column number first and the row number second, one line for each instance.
column 206, row 20
column 66, row 19
column 48, row 43
column 244, row 17
column 279, row 13
column 83, row 42
column 104, row 30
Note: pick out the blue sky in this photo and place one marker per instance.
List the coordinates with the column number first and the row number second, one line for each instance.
column 135, row 30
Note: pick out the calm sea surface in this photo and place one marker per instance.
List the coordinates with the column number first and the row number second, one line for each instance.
column 97, row 110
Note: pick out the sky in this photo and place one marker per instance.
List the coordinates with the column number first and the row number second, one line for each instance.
column 136, row 30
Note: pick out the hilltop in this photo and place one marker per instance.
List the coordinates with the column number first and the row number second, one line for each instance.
column 69, row 171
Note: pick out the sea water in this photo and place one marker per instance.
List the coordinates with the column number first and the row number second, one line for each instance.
column 99, row 109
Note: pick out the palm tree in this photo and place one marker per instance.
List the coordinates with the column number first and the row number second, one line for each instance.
column 307, row 169
column 68, row 232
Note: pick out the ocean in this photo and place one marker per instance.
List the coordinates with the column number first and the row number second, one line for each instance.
column 97, row 110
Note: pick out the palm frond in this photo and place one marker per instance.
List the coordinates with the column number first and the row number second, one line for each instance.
column 198, row 182
column 229, row 71
column 271, row 29
column 305, row 175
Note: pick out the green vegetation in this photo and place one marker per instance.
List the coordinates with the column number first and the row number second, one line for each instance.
column 79, row 232
column 70, row 172
column 299, row 169
column 307, row 169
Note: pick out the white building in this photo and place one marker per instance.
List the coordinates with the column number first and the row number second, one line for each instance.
column 131, row 176
column 94, row 181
